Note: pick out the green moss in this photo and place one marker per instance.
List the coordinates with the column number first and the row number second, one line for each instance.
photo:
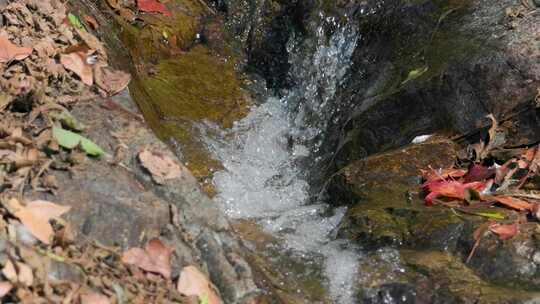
column 196, row 86
column 189, row 88
column 177, row 83
column 452, row 274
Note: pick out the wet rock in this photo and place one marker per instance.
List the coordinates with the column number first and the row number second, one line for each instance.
column 513, row 262
column 388, row 211
column 262, row 29
column 428, row 66
column 411, row 276
column 396, row 171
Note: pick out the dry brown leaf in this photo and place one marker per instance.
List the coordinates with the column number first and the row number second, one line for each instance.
column 24, row 276
column 36, row 216
column 193, row 282
column 94, row 298
column 91, row 21
column 5, row 288
column 9, row 272
column 9, row 51
column 511, row 202
column 111, row 81
column 160, row 166
column 155, row 258
column 76, row 62
column 504, row 232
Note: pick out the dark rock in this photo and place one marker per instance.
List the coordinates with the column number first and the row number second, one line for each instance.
column 411, row 276
column 385, row 215
column 466, row 64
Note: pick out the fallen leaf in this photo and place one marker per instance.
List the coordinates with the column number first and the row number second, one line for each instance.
column 76, row 62
column 9, row 272
column 489, row 214
column 478, row 173
column 504, row 232
column 512, row 202
column 74, row 20
column 452, row 189
column 92, row 22
column 111, row 81
column 94, row 298
column 36, row 216
column 70, row 140
column 24, row 275
column 9, row 51
column 477, row 236
column 433, row 175
column 155, row 258
column 160, row 166
column 193, row 282
column 153, row 6
column 5, row 288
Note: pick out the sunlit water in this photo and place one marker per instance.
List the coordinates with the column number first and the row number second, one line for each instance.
column 262, row 179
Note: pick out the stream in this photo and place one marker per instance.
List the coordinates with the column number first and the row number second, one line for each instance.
column 265, row 153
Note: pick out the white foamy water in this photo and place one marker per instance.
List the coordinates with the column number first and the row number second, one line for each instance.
column 262, row 179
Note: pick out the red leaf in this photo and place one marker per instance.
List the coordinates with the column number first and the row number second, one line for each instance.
column 511, row 202
column 153, row 6
column 437, row 175
column 504, row 232
column 453, row 189
column 478, row 173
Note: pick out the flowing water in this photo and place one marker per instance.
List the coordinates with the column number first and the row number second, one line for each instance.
column 264, row 179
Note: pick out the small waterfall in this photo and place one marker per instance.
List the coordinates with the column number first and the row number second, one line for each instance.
column 262, row 153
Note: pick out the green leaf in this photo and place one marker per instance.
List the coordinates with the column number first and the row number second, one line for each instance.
column 70, row 140
column 74, row 20
column 203, row 299
column 67, row 120
column 493, row 215
column 415, row 74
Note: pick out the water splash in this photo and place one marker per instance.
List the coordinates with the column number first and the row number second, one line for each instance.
column 263, row 180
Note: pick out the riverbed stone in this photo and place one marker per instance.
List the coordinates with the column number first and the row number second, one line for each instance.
column 391, row 212
column 415, row 276
column 428, row 66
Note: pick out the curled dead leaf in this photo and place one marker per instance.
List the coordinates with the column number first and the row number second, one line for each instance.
column 9, row 51
column 111, row 81
column 504, row 231
column 161, row 167
column 21, row 274
column 451, row 189
column 5, row 288
column 193, row 282
column 155, row 258
column 76, row 62
column 511, row 202
column 36, row 216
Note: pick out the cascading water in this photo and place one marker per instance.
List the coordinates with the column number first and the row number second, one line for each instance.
column 261, row 154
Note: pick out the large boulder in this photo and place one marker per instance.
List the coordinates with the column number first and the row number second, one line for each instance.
column 426, row 66
column 386, row 210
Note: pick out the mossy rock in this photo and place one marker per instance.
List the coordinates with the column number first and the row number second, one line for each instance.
column 179, row 82
column 416, row 276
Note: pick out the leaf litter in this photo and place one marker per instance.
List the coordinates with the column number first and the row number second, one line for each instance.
column 490, row 181
column 49, row 60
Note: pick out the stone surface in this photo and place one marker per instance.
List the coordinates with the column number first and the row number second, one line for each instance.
column 467, row 59
column 410, row 276
column 388, row 212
